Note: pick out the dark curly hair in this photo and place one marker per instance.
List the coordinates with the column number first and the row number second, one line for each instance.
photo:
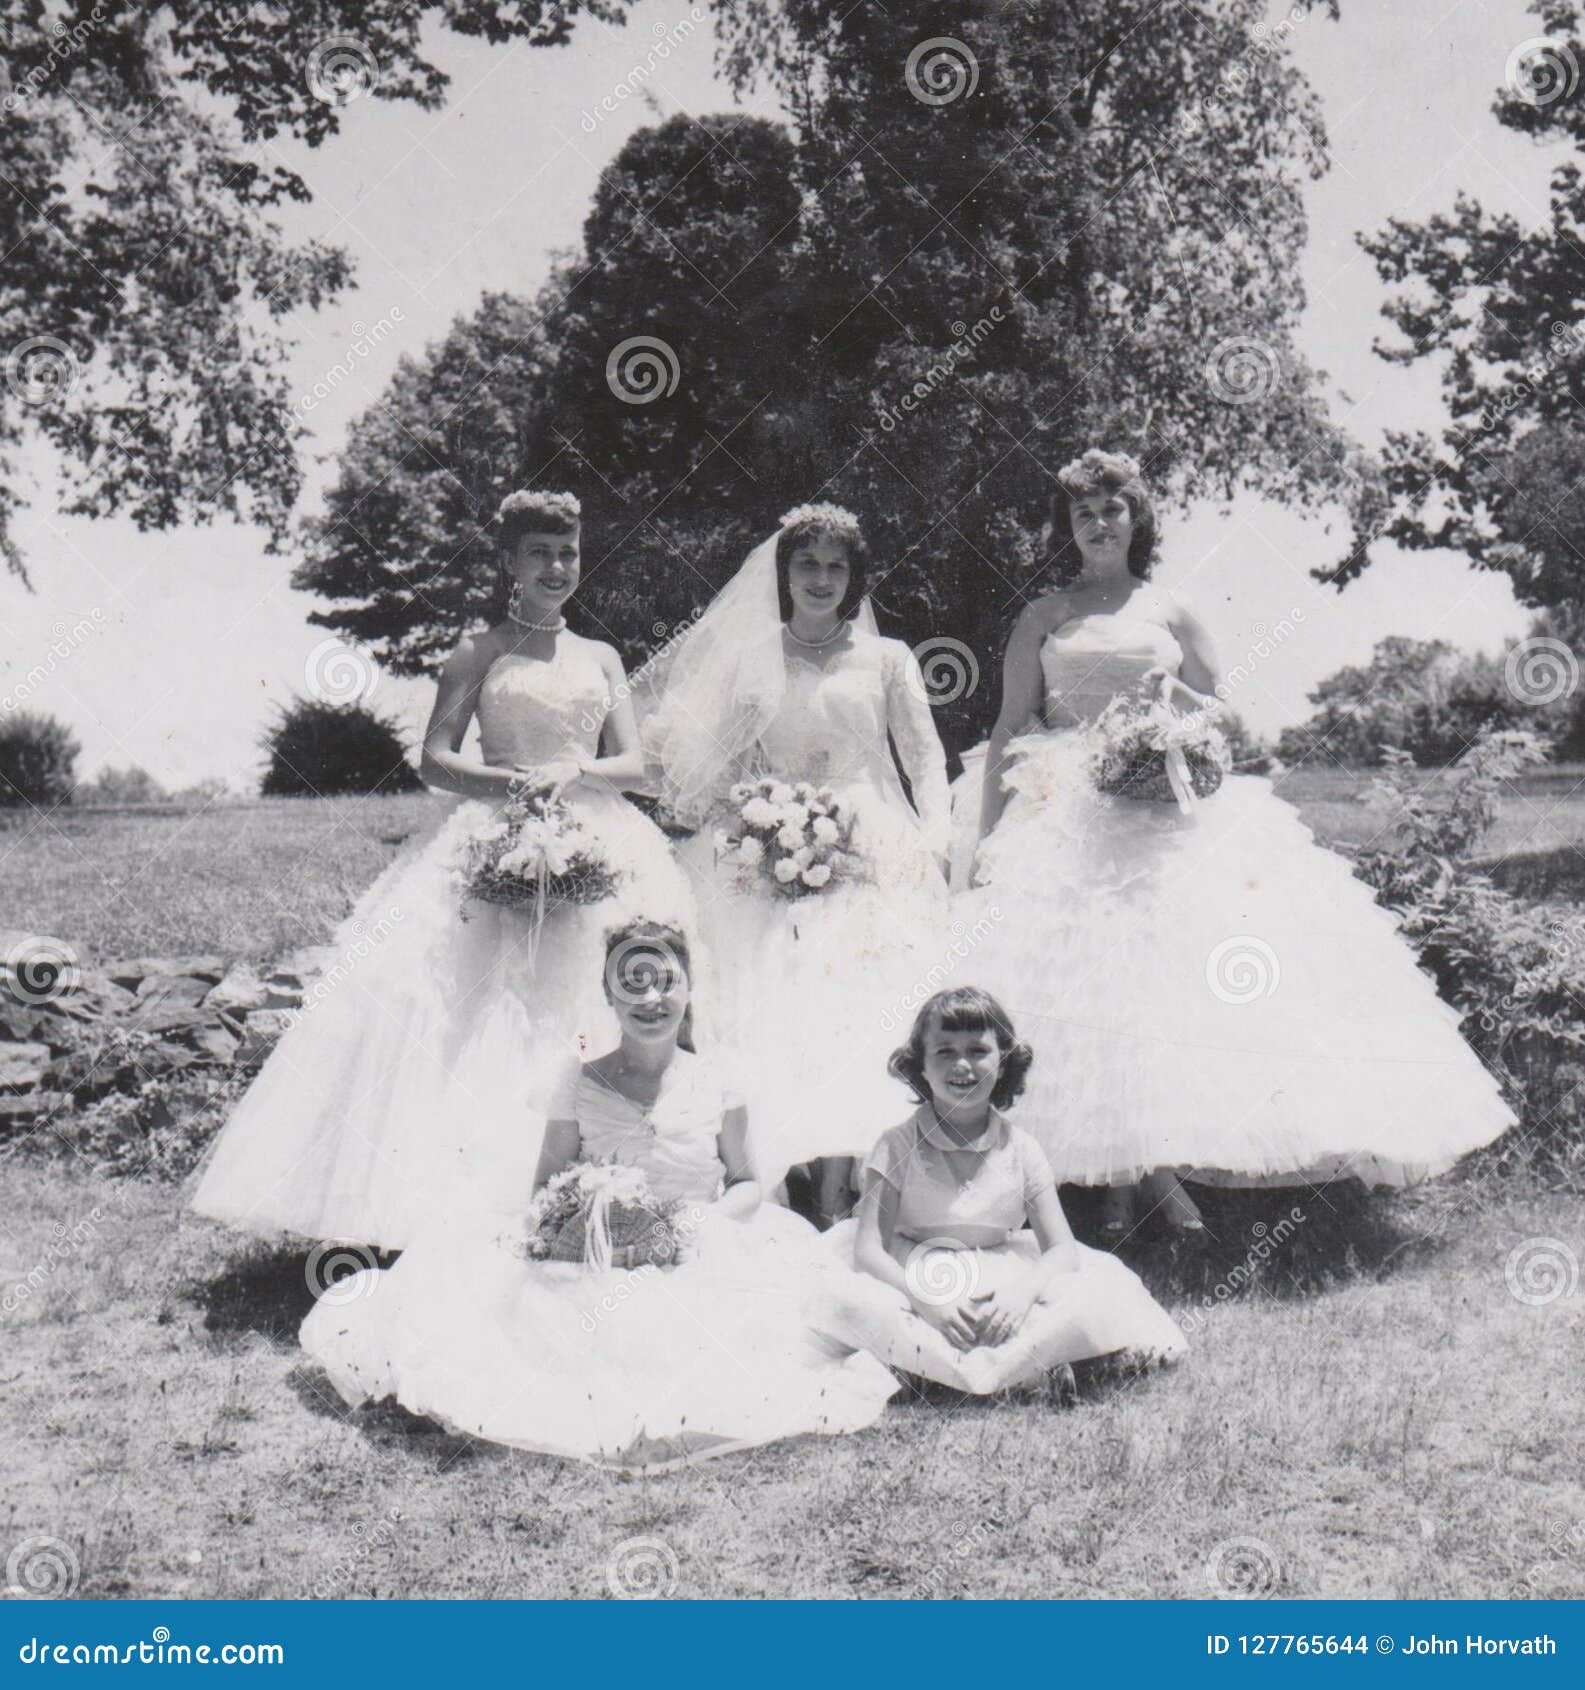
column 964, row 1009
column 810, row 522
column 636, row 952
column 535, row 512
column 1096, row 472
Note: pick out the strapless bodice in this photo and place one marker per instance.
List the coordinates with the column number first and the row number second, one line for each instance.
column 532, row 709
column 1090, row 660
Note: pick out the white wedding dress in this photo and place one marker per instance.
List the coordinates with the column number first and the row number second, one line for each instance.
column 817, row 992
column 1212, row 993
column 635, row 1370
column 431, row 1058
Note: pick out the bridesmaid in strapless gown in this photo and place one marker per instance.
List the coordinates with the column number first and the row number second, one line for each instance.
column 1211, row 994
column 388, row 1092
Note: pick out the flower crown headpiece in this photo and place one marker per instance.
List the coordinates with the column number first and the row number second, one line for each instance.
column 1099, row 468
column 521, row 509
column 832, row 519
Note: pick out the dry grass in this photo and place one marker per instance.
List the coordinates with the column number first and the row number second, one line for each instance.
column 1403, row 1428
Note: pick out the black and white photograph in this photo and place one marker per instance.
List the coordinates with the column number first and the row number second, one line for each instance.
column 792, row 805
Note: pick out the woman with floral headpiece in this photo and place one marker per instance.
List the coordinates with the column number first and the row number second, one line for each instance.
column 1214, row 994
column 451, row 1015
column 821, row 888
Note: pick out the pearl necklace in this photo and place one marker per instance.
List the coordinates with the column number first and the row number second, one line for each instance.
column 813, row 645
column 539, row 627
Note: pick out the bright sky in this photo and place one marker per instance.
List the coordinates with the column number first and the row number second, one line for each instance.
column 190, row 638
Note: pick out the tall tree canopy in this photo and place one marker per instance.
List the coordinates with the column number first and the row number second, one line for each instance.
column 144, row 279
column 989, row 235
column 1502, row 308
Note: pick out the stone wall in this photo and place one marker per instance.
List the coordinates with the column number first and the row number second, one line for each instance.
column 70, row 1035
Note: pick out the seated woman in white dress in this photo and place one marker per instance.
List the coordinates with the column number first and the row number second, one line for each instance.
column 628, row 1369
column 956, row 1290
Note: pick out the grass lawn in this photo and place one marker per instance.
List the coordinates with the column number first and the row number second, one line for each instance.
column 247, row 881
column 1379, row 1415
column 251, row 881
column 1406, row 1428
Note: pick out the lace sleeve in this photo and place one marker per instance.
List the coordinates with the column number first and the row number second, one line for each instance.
column 913, row 731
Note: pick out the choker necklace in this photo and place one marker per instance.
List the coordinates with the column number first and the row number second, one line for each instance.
column 813, row 645
column 539, row 627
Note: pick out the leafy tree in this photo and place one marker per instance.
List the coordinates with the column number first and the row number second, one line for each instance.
column 146, row 345
column 318, row 749
column 917, row 305
column 38, row 755
column 1500, row 308
column 1425, row 698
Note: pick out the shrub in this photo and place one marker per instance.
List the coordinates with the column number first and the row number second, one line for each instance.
column 38, row 757
column 122, row 786
column 319, row 749
column 1515, row 972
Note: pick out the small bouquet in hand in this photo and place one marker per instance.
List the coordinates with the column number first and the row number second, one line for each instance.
column 535, row 854
column 604, row 1215
column 1150, row 750
column 795, row 837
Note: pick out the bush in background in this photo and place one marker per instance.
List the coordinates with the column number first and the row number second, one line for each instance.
column 317, row 750
column 1514, row 970
column 38, row 758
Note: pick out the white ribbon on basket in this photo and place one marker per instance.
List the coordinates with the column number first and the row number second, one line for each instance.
column 1176, row 731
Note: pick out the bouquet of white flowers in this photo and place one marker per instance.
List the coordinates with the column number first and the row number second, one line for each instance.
column 535, row 854
column 1150, row 750
column 603, row 1214
column 795, row 837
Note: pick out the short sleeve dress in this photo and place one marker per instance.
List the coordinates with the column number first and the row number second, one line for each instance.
column 961, row 1231
column 637, row 1369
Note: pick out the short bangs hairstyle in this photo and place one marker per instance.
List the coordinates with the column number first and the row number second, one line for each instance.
column 1100, row 472
column 812, row 522
column 964, row 1009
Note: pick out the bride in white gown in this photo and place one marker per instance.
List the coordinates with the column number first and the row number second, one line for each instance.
column 1211, row 993
column 412, row 1073
column 785, row 674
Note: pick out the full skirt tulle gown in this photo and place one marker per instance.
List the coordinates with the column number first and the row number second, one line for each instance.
column 628, row 1369
column 1101, row 1309
column 816, row 993
column 1212, row 993
column 430, row 1053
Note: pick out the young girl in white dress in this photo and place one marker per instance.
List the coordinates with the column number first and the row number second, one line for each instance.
column 1211, row 993
column 640, row 1368
column 785, row 674
column 386, row 1090
column 955, row 1288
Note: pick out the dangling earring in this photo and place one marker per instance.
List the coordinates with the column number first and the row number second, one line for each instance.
column 514, row 601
